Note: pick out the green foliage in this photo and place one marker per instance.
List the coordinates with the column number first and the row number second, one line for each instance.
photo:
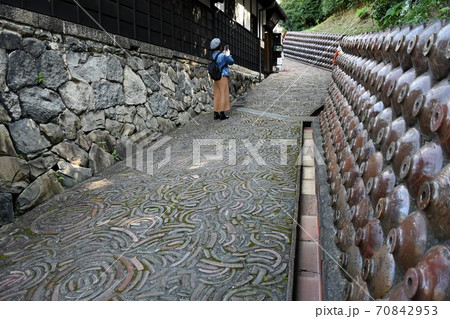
column 388, row 13
column 393, row 15
column 363, row 13
column 59, row 177
column 330, row 7
column 425, row 10
column 301, row 13
column 41, row 78
column 115, row 155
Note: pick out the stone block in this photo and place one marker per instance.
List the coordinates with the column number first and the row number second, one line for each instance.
column 13, row 174
column 42, row 189
column 99, row 160
column 6, row 209
column 107, row 94
column 78, row 96
column 52, row 68
column 10, row 102
column 26, row 137
column 93, row 121
column 6, row 144
column 42, row 164
column 41, row 105
column 134, row 88
column 52, row 132
column 10, row 40
column 21, row 70
column 72, row 175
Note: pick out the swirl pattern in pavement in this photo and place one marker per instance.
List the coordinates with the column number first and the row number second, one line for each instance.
column 214, row 231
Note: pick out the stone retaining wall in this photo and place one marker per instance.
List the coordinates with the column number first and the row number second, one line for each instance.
column 67, row 102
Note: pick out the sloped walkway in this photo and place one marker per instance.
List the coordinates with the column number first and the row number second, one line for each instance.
column 198, row 228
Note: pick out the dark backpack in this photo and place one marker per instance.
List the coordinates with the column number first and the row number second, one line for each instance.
column 213, row 69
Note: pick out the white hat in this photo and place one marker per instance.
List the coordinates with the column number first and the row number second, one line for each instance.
column 215, row 43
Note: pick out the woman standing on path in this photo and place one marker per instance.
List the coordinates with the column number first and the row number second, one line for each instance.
column 221, row 87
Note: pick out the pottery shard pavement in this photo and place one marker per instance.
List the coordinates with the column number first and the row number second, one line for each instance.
column 26, row 137
column 42, row 189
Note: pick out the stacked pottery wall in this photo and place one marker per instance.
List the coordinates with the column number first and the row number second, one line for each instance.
column 317, row 49
column 386, row 128
column 70, row 95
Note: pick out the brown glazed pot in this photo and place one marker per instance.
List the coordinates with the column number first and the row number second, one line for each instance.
column 372, row 111
column 342, row 217
column 424, row 165
column 366, row 71
column 379, row 81
column 351, row 262
column 344, row 154
column 359, row 141
column 370, row 77
column 430, row 279
column 387, row 43
column 372, row 167
column 345, row 237
column 356, row 193
column 407, row 145
column 387, row 89
column 397, row 293
column 362, row 213
column 365, row 152
column 401, row 91
column 370, row 238
column 380, row 272
column 394, row 132
column 409, row 242
column 339, row 200
column 379, row 123
column 390, row 46
column 402, row 47
column 438, row 52
column 434, row 199
column 357, row 290
column 418, row 103
column 333, row 171
column 381, row 186
column 392, row 210
column 417, row 44
column 440, row 119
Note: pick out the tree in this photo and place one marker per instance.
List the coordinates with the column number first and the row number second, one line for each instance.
column 301, row 14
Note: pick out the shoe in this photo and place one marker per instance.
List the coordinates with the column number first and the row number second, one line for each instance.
column 223, row 116
column 216, row 115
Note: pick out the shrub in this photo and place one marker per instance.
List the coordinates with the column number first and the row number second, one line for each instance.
column 301, row 14
column 363, row 13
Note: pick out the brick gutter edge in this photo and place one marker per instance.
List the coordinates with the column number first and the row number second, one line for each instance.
column 295, row 217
